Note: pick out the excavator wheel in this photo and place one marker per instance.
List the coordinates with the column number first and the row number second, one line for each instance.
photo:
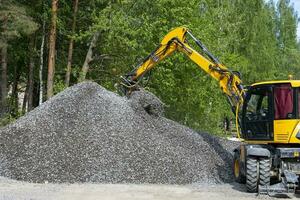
column 264, row 172
column 252, row 174
column 239, row 177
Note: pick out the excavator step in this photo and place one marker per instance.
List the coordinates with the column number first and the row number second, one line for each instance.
column 279, row 188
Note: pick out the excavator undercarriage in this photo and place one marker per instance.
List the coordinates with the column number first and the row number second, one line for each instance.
column 267, row 169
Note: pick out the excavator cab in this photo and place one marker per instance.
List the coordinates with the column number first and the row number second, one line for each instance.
column 271, row 114
column 270, row 126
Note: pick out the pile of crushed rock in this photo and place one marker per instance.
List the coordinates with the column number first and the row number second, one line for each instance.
column 89, row 134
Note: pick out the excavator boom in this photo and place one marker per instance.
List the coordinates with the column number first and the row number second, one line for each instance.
column 177, row 40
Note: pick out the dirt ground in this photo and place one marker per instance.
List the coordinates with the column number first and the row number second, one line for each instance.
column 13, row 190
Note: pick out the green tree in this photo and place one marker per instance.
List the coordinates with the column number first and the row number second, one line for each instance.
column 15, row 23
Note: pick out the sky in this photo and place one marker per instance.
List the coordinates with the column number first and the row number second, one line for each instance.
column 296, row 4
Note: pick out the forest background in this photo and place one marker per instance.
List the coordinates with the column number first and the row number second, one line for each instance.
column 49, row 45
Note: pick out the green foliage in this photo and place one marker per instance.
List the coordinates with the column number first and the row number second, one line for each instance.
column 243, row 34
column 6, row 120
column 59, row 85
column 15, row 21
column 256, row 38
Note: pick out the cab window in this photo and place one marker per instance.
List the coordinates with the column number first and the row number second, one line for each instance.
column 283, row 102
column 258, row 106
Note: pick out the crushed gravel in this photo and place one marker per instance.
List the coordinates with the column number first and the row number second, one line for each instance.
column 89, row 134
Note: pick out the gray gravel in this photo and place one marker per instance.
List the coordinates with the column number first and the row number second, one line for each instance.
column 89, row 134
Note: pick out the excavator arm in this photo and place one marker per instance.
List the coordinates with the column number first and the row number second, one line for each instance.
column 177, row 40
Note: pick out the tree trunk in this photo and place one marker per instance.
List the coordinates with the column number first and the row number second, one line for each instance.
column 24, row 105
column 71, row 45
column 15, row 95
column 41, row 92
column 51, row 58
column 4, row 78
column 30, row 74
column 89, row 57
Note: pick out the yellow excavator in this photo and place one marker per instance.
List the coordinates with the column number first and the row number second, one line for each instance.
column 267, row 116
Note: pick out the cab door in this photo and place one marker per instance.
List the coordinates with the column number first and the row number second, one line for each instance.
column 258, row 114
column 285, row 115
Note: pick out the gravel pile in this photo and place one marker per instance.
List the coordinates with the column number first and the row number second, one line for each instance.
column 89, row 134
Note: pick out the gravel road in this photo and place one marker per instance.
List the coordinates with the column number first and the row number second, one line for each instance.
column 13, row 190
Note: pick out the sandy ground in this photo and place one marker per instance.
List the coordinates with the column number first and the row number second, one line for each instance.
column 13, row 190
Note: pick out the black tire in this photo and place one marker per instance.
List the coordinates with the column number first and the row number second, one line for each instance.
column 252, row 177
column 264, row 172
column 238, row 175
